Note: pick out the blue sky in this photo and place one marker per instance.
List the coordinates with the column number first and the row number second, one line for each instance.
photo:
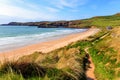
column 52, row 10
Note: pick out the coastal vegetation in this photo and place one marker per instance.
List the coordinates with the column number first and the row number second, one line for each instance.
column 61, row 64
column 71, row 62
column 106, row 56
column 98, row 21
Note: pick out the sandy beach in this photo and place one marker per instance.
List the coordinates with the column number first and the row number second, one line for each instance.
column 46, row 46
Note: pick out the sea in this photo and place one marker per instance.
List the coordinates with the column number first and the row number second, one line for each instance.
column 12, row 37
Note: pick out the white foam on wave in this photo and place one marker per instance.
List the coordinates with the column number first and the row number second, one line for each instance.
column 19, row 41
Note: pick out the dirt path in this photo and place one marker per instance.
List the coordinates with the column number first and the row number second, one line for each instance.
column 90, row 72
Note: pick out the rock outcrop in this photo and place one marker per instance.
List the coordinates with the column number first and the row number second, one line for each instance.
column 48, row 24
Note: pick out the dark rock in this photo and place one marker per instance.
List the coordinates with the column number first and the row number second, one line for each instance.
column 109, row 27
column 47, row 24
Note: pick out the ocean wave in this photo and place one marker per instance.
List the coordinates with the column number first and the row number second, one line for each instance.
column 34, row 38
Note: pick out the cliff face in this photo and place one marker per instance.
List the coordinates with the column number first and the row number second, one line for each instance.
column 99, row 21
column 44, row 24
column 47, row 24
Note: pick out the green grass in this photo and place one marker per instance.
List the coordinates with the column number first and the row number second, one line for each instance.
column 61, row 64
column 70, row 62
column 104, row 58
column 67, row 63
column 98, row 21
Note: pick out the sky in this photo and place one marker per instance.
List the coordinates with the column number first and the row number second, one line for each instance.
column 53, row 10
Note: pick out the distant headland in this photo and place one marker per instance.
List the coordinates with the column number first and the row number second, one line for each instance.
column 109, row 20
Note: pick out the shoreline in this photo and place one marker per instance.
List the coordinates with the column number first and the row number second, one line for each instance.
column 37, row 36
column 47, row 46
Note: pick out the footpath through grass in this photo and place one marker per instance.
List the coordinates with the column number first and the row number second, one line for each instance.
column 105, row 56
column 61, row 64
column 70, row 62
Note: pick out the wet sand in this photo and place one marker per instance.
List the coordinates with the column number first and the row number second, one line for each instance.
column 47, row 46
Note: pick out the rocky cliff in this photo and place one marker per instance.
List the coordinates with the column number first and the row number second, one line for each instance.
column 99, row 21
column 48, row 24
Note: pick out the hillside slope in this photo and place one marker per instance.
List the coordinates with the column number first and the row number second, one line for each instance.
column 105, row 52
column 72, row 61
column 98, row 21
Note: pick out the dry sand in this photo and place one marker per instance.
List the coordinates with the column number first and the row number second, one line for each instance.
column 46, row 46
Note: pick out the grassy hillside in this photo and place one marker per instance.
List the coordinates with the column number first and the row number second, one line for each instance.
column 99, row 21
column 71, row 62
column 62, row 64
column 106, row 56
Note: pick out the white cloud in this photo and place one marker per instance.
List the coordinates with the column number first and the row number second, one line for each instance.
column 21, row 12
column 52, row 9
column 67, row 3
column 7, row 8
column 74, row 10
column 26, row 10
column 6, row 19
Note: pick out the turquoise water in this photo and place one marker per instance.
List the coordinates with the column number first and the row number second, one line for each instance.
column 13, row 31
column 12, row 37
